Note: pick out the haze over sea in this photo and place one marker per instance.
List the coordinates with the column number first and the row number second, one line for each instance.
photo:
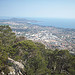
column 56, row 22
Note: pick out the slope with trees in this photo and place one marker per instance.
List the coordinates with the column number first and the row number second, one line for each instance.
column 36, row 59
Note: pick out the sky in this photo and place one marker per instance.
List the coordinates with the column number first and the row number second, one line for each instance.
column 38, row 8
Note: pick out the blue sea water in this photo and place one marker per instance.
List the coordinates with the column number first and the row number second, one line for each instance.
column 56, row 22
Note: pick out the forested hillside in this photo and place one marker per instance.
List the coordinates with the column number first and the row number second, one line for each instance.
column 19, row 56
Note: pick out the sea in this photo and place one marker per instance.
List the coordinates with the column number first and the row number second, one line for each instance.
column 55, row 22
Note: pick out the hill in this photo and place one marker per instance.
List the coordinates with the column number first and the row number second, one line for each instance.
column 25, row 57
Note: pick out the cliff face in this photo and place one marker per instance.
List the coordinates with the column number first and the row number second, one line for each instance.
column 16, row 63
column 16, row 69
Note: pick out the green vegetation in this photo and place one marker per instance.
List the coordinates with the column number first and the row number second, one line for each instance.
column 36, row 59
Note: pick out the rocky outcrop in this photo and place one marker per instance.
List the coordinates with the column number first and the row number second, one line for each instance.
column 17, row 68
column 20, row 65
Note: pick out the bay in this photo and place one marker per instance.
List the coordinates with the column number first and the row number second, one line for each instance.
column 55, row 22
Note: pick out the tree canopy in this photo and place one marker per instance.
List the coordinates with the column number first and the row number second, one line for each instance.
column 36, row 59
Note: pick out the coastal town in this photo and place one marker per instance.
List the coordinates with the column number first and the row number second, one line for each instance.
column 51, row 37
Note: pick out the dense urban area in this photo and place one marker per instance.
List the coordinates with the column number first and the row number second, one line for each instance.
column 51, row 37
